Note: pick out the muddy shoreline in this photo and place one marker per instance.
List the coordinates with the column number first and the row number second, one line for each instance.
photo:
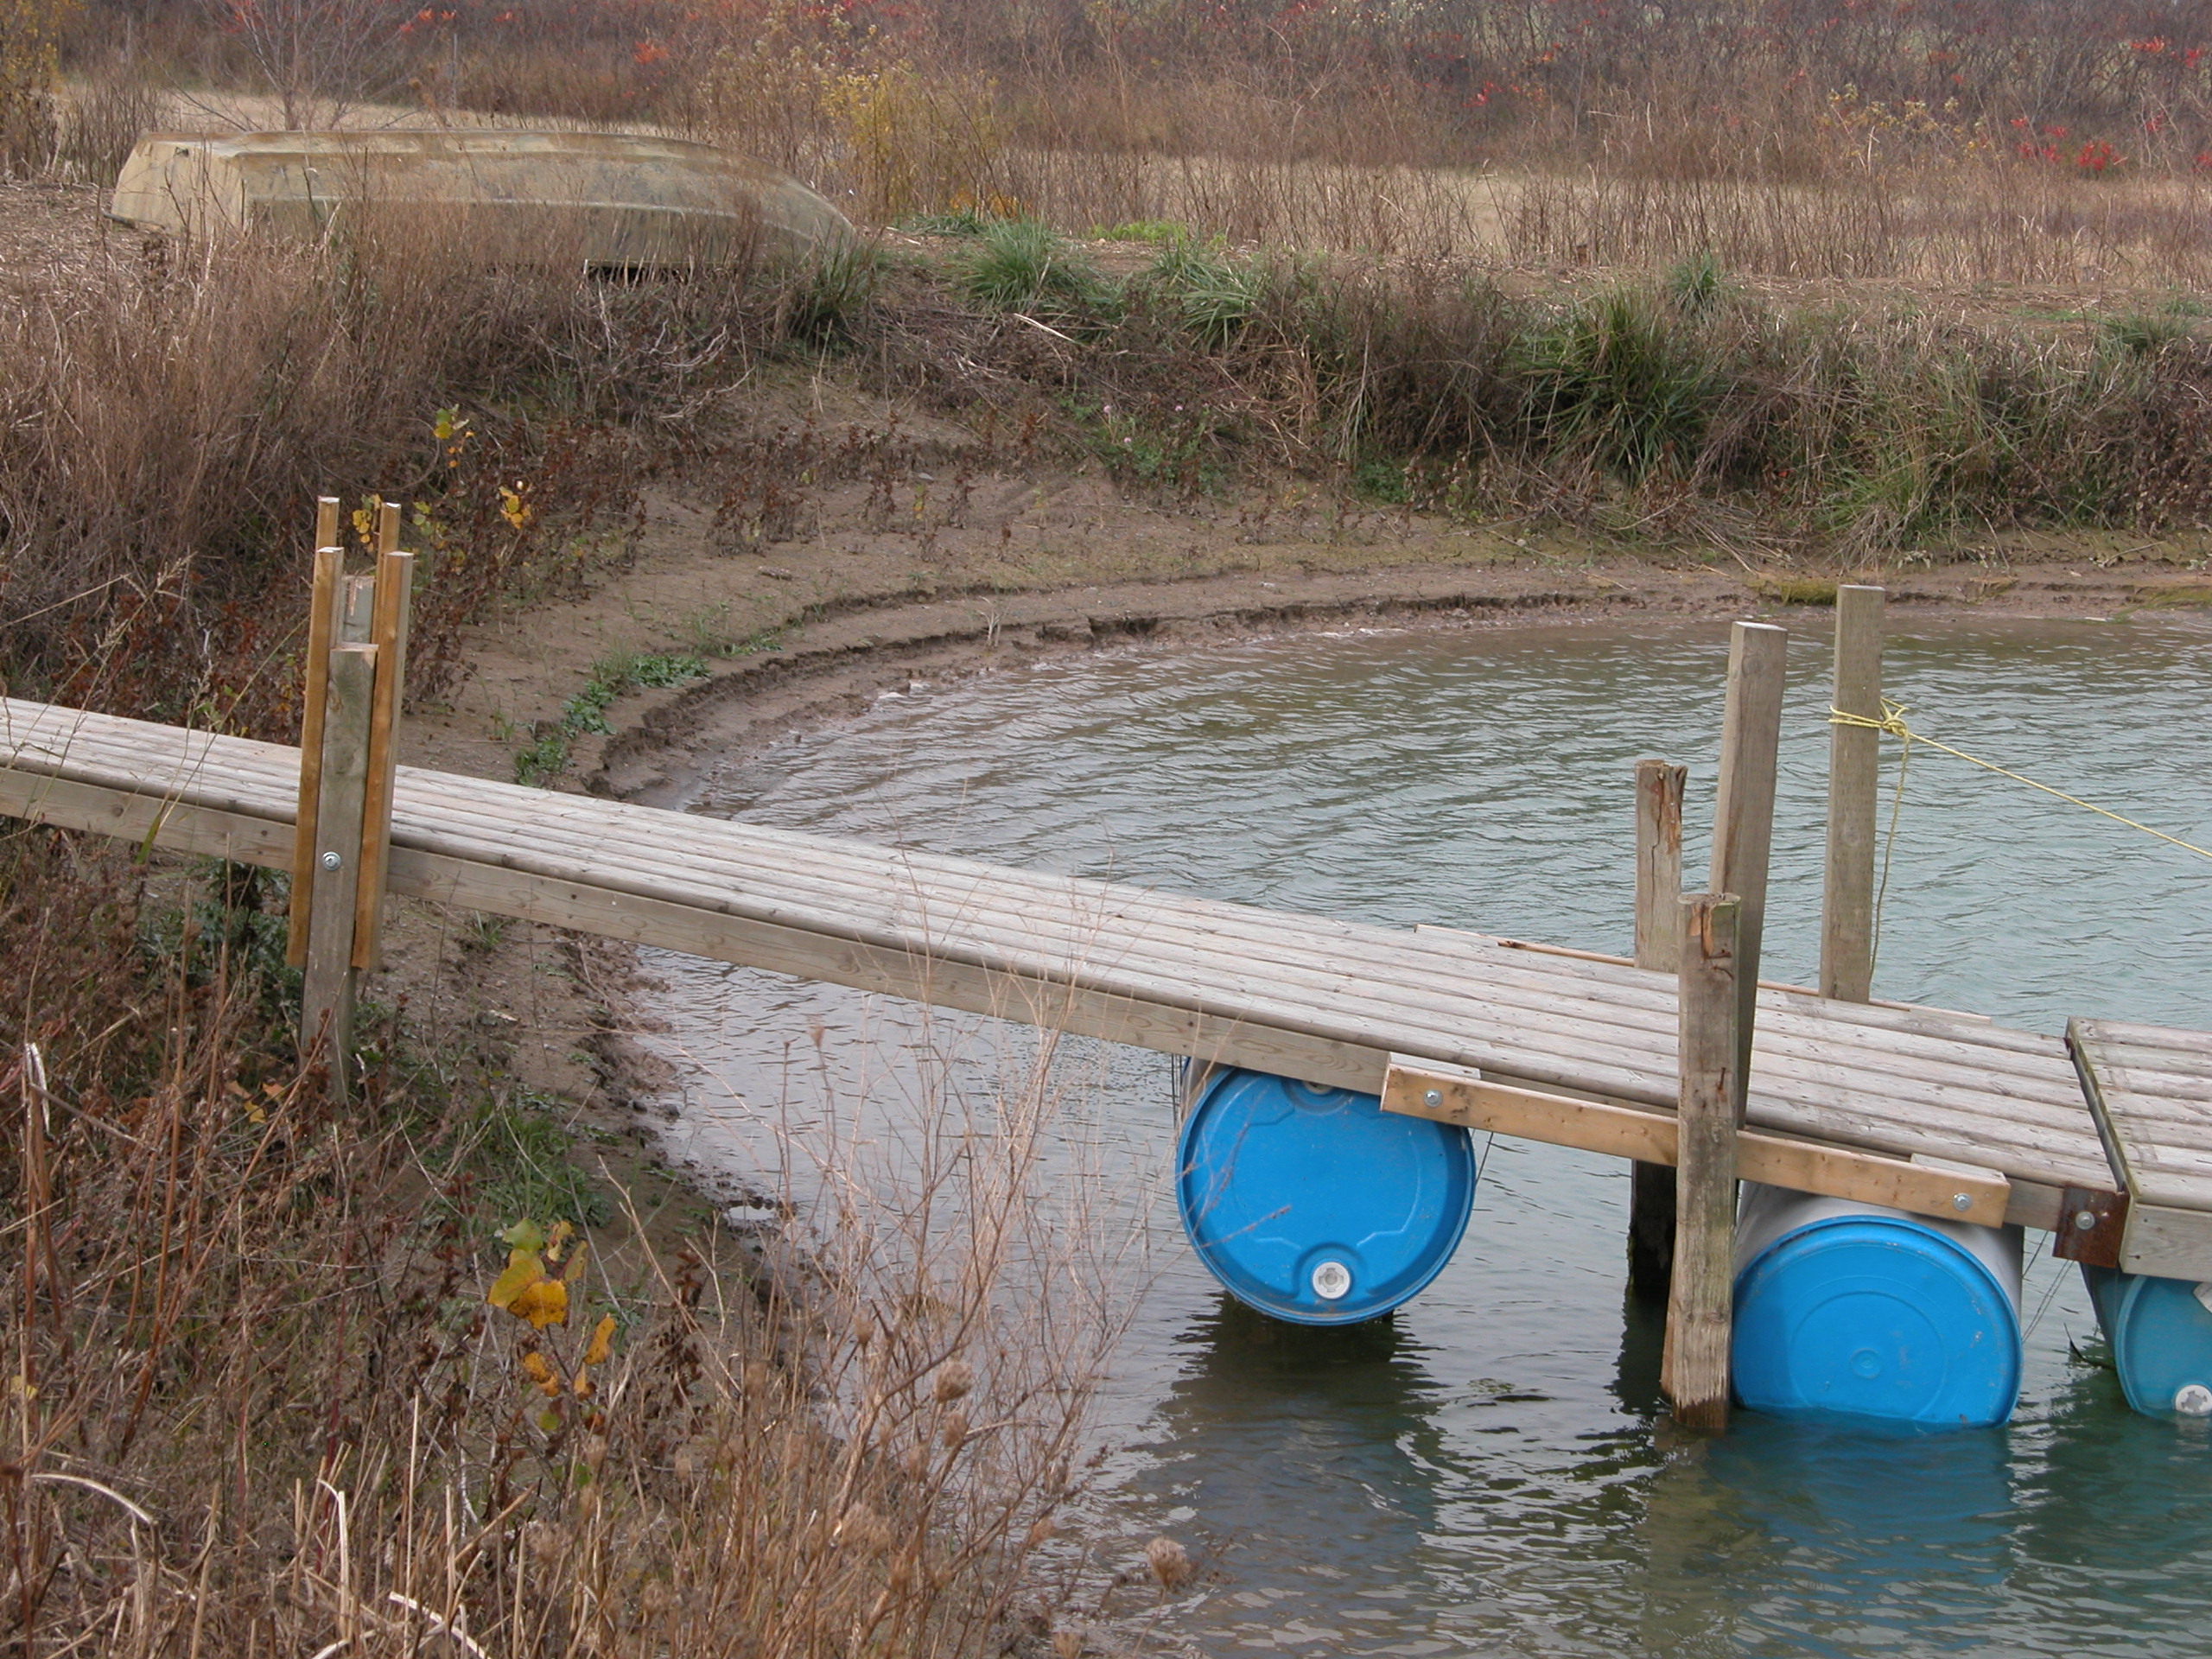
column 841, row 664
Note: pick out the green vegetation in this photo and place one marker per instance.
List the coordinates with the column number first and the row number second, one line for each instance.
column 547, row 756
column 1018, row 264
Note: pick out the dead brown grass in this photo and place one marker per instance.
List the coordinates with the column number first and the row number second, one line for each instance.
column 258, row 1400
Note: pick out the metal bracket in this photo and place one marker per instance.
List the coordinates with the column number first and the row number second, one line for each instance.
column 2090, row 1226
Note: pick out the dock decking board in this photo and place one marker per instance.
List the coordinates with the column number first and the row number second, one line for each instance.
column 2151, row 1089
column 1318, row 997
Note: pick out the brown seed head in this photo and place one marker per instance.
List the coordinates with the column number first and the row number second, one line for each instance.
column 1170, row 1562
column 954, row 1378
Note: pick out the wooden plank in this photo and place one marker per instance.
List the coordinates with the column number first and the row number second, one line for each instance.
column 394, row 582
column 1743, row 813
column 1367, row 990
column 1570, row 1034
column 1854, row 764
column 1648, row 1137
column 1658, row 864
column 1112, row 933
column 147, row 820
column 1700, row 1295
column 1853, row 1115
column 2167, row 1242
column 323, row 621
column 1658, row 950
column 779, row 949
column 2157, row 1143
column 1584, row 1057
column 326, row 1001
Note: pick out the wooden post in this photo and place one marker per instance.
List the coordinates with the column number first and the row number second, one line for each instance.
column 394, row 581
column 323, row 622
column 327, row 1003
column 1658, row 947
column 1854, row 761
column 1701, row 1302
column 1743, row 811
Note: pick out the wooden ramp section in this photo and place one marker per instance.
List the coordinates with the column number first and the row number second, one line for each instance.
column 1330, row 1002
column 2151, row 1088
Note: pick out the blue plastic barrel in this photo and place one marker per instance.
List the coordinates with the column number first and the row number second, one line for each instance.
column 2161, row 1335
column 1847, row 1310
column 1314, row 1205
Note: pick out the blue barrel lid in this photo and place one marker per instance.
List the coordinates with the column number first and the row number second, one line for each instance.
column 2161, row 1335
column 1314, row 1205
column 1875, row 1316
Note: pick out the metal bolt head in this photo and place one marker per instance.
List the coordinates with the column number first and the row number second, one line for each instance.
column 1961, row 1201
column 1433, row 1098
column 2084, row 1220
column 331, row 861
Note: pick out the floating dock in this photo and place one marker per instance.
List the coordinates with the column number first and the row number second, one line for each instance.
column 2107, row 1142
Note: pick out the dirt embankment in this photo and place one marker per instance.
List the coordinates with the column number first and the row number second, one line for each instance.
column 956, row 556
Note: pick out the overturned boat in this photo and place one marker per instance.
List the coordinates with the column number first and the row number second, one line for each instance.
column 608, row 200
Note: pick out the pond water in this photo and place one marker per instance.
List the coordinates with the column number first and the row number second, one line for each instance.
column 1490, row 1471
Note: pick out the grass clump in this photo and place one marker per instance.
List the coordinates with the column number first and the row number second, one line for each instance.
column 1211, row 296
column 1616, row 376
column 1021, row 265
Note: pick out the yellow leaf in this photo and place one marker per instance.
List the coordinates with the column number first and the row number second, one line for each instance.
column 576, row 1263
column 581, row 1383
column 541, row 1371
column 543, row 1303
column 602, row 1341
column 523, row 1270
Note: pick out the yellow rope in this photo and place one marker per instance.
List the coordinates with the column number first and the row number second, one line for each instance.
column 1892, row 722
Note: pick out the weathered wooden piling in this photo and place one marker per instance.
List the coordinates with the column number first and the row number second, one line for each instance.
column 1855, row 758
column 1658, row 947
column 326, row 1000
column 1700, row 1299
column 1743, row 812
column 395, row 579
column 323, row 625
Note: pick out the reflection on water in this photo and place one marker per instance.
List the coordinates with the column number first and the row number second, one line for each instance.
column 1488, row 1470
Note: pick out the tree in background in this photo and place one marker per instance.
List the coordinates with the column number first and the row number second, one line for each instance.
column 314, row 57
column 30, row 35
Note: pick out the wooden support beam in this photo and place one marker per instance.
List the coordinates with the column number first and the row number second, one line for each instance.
column 395, row 579
column 1743, row 812
column 1854, row 761
column 327, row 1002
column 1700, row 1303
column 1417, row 1089
column 1658, row 947
column 322, row 624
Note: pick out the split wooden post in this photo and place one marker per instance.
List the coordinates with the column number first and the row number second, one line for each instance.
column 1700, row 1303
column 1658, row 947
column 327, row 1002
column 323, row 621
column 1743, row 811
column 1854, row 763
column 395, row 579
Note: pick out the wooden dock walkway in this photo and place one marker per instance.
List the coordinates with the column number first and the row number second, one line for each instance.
column 1332, row 1002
